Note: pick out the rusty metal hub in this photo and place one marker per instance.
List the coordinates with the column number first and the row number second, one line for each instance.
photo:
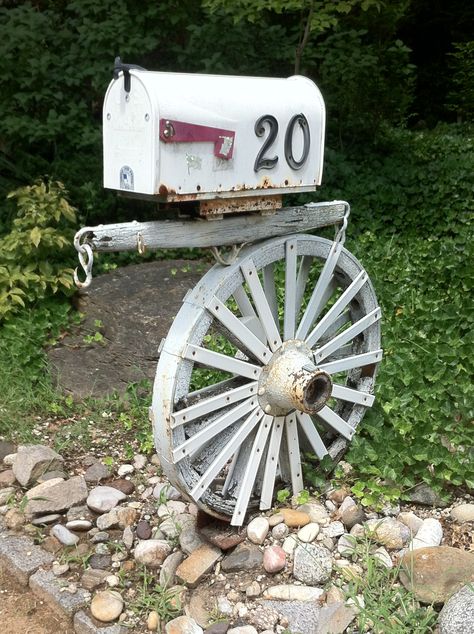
column 291, row 381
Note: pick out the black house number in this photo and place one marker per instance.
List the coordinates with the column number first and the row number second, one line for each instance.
column 265, row 162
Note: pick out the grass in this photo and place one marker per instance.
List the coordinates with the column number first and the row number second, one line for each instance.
column 152, row 596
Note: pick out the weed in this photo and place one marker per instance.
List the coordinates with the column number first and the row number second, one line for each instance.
column 152, row 596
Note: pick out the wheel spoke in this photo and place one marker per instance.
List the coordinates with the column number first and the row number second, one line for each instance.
column 198, row 440
column 335, row 311
column 243, row 302
column 319, row 296
column 270, row 292
column 271, row 463
column 230, row 473
column 353, row 396
column 336, row 422
column 349, row 363
column 289, row 316
column 293, row 444
column 213, row 403
column 347, row 335
column 238, row 329
column 261, row 304
column 253, row 463
column 226, row 452
column 311, row 433
column 219, row 361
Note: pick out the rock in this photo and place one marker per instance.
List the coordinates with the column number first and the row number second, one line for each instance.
column 79, row 525
column 223, row 536
column 312, row 564
column 295, row 518
column 172, row 507
column 463, row 513
column 276, row 519
column 100, row 537
column 274, row 559
column 102, row 499
column 83, row 624
column 219, row 627
column 334, row 529
column 263, row 617
column 125, row 486
column 224, row 606
column 335, row 618
column 189, row 539
column 411, row 520
column 383, row 557
column 81, row 512
column 7, row 478
column 253, row 590
column 244, row 557
column 125, row 469
column 100, row 561
column 6, row 495
column 183, row 625
column 14, row 519
column 96, row 472
column 9, row 459
column 51, row 544
column 165, row 491
column 389, row 532
column 112, row 581
column 21, row 557
column 51, row 475
column 93, row 577
column 139, row 461
column 353, row 515
column 338, row 495
column 288, row 592
column 347, row 503
column 152, row 552
column 60, row 569
column 423, row 494
column 45, row 520
column 153, row 621
column 280, row 531
column 346, row 545
column 107, row 606
column 242, row 629
column 435, row 573
column 51, row 590
column 257, row 530
column 289, row 544
column 128, row 538
column 168, row 569
column 107, row 520
column 34, row 460
column 301, row 616
column 334, row 595
column 64, row 535
column 7, row 448
column 429, row 534
column 309, row 532
column 143, row 529
column 457, row 615
column 56, row 495
column 198, row 564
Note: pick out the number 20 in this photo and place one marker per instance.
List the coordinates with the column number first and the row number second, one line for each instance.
column 264, row 162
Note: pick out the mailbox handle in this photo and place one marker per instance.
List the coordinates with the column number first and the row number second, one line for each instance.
column 125, row 68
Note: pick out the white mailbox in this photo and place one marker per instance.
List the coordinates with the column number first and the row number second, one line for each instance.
column 187, row 136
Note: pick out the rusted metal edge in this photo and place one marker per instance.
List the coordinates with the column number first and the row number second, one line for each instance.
column 198, row 233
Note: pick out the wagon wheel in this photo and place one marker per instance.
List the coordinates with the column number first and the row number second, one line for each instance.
column 252, row 372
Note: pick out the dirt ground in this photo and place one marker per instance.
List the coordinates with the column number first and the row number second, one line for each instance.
column 21, row 612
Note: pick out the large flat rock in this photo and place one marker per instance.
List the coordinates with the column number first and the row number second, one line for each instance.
column 135, row 306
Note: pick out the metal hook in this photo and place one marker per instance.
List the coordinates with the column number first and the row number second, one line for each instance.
column 86, row 263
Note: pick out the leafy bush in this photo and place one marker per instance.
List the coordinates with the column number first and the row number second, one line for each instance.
column 32, row 253
column 412, row 229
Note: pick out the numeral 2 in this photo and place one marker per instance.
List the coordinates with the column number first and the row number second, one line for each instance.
column 261, row 162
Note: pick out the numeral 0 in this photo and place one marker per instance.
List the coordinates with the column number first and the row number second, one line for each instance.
column 263, row 162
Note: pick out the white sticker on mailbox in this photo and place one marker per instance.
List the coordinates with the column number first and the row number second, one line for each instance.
column 126, row 178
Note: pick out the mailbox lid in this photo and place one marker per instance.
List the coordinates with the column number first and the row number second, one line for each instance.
column 190, row 136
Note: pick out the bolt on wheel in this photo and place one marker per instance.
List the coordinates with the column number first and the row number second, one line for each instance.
column 270, row 357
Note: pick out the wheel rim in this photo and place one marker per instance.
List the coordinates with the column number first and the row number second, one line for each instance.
column 225, row 444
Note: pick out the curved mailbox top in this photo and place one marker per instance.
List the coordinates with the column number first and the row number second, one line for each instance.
column 188, row 136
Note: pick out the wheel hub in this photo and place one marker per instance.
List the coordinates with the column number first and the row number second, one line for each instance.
column 291, row 381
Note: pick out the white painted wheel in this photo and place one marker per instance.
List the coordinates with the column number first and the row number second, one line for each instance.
column 253, row 371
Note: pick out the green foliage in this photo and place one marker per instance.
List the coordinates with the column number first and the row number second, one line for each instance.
column 32, row 252
column 413, row 211
column 152, row 596
column 283, row 495
column 461, row 97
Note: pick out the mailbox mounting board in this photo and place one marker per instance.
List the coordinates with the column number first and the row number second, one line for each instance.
column 181, row 137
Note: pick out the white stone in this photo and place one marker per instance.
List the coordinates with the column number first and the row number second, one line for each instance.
column 463, row 513
column 383, row 557
column 335, row 529
column 347, row 502
column 103, row 499
column 243, row 629
column 152, row 552
column 280, row 531
column 165, row 491
column 257, row 530
column 9, row 459
column 430, row 534
column 107, row 606
column 128, row 537
column 288, row 592
column 112, row 581
column 183, row 625
column 317, row 513
column 107, row 520
column 309, row 532
column 289, row 545
column 411, row 520
column 125, row 469
column 172, row 507
column 139, row 461
column 224, row 606
column 64, row 535
column 346, row 545
column 79, row 525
